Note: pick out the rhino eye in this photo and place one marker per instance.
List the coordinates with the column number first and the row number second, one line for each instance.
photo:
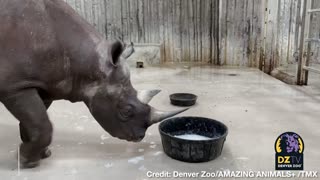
column 126, row 113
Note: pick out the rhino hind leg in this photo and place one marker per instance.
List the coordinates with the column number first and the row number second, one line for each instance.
column 35, row 126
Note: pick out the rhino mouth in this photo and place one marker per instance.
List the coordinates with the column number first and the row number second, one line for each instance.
column 132, row 139
column 136, row 140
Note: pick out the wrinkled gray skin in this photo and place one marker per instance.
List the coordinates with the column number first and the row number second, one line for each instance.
column 48, row 52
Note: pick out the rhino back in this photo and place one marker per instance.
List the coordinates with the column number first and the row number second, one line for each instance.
column 28, row 47
column 39, row 40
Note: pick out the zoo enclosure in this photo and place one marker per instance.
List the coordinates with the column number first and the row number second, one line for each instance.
column 251, row 33
column 309, row 41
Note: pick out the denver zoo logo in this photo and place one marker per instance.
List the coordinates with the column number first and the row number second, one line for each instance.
column 289, row 152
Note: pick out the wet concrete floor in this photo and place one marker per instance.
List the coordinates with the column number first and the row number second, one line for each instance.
column 256, row 107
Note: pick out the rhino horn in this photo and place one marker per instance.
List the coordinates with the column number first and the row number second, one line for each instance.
column 145, row 96
column 158, row 116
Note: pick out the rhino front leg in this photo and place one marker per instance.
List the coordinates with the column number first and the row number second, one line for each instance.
column 35, row 126
column 25, row 138
column 47, row 103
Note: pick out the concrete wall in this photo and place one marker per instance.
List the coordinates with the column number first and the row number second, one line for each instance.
column 241, row 32
column 315, row 33
column 187, row 30
column 282, row 30
column 253, row 33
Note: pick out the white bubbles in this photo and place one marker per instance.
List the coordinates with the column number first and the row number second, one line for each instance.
column 104, row 137
column 136, row 160
column 108, row 165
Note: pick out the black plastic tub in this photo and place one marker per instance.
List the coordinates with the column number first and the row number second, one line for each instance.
column 193, row 150
column 183, row 99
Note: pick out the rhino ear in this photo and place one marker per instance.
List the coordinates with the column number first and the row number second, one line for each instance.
column 116, row 50
column 129, row 50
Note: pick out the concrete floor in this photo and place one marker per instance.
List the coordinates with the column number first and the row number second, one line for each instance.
column 256, row 107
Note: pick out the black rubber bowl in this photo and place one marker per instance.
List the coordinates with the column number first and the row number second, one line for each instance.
column 193, row 150
column 183, row 99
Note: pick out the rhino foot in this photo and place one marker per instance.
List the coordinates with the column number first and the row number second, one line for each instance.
column 45, row 153
column 27, row 164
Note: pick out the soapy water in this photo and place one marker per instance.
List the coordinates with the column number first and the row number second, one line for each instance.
column 79, row 128
column 242, row 158
column 142, row 168
column 140, row 150
column 104, row 137
column 136, row 160
column 108, row 165
column 158, row 153
column 194, row 137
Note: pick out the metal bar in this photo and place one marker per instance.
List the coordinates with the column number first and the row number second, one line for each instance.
column 307, row 68
column 307, row 48
column 307, row 63
column 312, row 40
column 313, row 10
column 303, row 35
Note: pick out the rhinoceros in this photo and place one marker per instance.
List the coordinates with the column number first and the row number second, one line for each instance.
column 48, row 52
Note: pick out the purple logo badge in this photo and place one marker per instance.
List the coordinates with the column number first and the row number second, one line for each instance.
column 289, row 148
